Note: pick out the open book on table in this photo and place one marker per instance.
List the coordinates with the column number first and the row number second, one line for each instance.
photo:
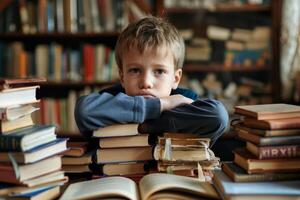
column 151, row 186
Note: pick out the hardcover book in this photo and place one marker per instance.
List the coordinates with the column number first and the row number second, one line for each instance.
column 27, row 138
column 38, row 153
column 255, row 190
column 281, row 151
column 273, row 124
column 238, row 174
column 269, row 111
column 22, row 82
column 252, row 165
column 269, row 141
column 151, row 186
column 125, row 141
column 117, row 130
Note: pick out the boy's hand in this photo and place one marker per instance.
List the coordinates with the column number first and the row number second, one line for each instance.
column 170, row 102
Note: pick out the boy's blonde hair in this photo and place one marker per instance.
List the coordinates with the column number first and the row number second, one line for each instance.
column 154, row 33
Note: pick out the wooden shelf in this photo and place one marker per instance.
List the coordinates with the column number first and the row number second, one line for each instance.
column 221, row 68
column 222, row 8
column 73, row 84
column 65, row 36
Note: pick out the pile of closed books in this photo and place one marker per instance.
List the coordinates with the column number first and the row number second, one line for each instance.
column 30, row 166
column 268, row 166
column 185, row 154
column 122, row 151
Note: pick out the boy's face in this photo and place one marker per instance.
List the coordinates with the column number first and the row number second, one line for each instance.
column 150, row 74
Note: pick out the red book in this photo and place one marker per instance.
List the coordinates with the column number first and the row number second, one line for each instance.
column 88, row 62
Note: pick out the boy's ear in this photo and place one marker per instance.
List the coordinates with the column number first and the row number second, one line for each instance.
column 177, row 78
column 121, row 75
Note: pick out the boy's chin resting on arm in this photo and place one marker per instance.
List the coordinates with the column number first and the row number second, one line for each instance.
column 204, row 117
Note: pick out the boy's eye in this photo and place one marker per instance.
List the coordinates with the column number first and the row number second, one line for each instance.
column 134, row 70
column 159, row 71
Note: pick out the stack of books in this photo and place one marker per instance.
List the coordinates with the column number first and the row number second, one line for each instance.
column 123, row 151
column 29, row 164
column 270, row 162
column 185, row 154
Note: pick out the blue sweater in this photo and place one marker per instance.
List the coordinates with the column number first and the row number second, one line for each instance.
column 205, row 117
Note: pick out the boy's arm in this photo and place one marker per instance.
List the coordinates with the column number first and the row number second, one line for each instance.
column 205, row 117
column 99, row 110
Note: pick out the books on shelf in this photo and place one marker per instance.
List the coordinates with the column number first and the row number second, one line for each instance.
column 27, row 138
column 151, row 186
column 251, row 164
column 255, row 190
column 238, row 174
column 278, row 151
column 269, row 111
column 117, row 130
column 38, row 153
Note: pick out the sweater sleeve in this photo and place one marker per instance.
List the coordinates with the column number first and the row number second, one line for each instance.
column 99, row 110
column 204, row 117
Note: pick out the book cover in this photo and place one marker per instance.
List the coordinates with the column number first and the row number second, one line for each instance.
column 273, row 124
column 38, row 153
column 255, row 190
column 265, row 133
column 117, row 130
column 125, row 141
column 238, row 174
column 151, row 186
column 252, row 165
column 125, row 154
column 281, row 151
column 268, row 141
column 26, row 138
column 269, row 111
column 6, row 83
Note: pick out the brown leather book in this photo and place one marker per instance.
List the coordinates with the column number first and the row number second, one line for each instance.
column 269, row 111
column 252, row 165
column 22, row 82
column 273, row 124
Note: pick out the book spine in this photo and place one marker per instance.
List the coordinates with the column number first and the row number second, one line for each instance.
column 291, row 151
column 267, row 177
column 9, row 143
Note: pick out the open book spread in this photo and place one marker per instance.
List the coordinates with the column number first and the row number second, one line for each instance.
column 151, row 186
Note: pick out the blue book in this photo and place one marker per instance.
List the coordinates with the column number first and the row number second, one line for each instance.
column 24, row 139
column 48, row 192
column 256, row 190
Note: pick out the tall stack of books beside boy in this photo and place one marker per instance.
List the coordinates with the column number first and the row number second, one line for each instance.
column 269, row 165
column 30, row 166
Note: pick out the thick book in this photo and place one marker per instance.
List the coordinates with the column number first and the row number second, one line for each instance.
column 139, row 140
column 269, row 111
column 76, row 149
column 44, row 193
column 126, row 154
column 273, row 124
column 268, row 141
column 76, row 169
column 17, row 111
column 252, row 165
column 238, row 174
column 116, row 130
column 38, row 153
column 16, row 96
column 151, row 186
column 127, row 168
column 11, row 125
column 82, row 160
column 9, row 174
column 27, row 138
column 22, row 82
column 279, row 151
column 265, row 133
column 255, row 190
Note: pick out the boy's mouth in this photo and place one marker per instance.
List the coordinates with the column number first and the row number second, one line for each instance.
column 147, row 95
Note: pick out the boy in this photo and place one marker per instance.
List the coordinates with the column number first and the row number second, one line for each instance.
column 150, row 55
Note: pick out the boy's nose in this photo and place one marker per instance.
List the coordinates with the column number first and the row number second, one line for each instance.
column 146, row 82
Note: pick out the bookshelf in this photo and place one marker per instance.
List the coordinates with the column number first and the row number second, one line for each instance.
column 196, row 18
